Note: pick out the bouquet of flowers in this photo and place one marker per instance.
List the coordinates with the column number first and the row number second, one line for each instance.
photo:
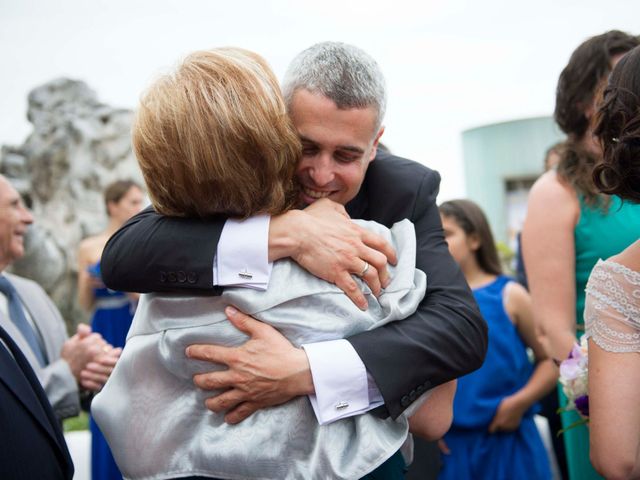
column 573, row 377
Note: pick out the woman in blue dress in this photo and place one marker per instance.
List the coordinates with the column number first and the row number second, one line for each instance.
column 112, row 311
column 493, row 435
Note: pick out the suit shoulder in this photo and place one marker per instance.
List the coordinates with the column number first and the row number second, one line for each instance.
column 393, row 170
column 24, row 283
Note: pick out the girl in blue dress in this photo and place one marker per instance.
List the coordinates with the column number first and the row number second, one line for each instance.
column 493, row 435
column 112, row 311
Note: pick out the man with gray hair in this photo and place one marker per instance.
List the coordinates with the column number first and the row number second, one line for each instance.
column 336, row 98
column 34, row 323
column 341, row 72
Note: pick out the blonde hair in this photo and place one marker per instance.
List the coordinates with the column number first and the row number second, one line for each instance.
column 214, row 137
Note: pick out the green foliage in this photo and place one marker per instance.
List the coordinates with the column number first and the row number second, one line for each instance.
column 81, row 422
column 506, row 256
column 577, row 423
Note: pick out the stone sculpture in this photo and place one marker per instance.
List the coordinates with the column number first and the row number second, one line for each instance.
column 77, row 147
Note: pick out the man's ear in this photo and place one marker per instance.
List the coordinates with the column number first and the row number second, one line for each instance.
column 376, row 141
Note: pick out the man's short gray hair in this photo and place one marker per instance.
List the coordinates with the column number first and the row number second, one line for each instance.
column 348, row 76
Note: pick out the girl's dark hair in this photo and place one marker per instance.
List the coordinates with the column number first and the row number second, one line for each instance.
column 576, row 167
column 577, row 87
column 114, row 192
column 470, row 217
column 618, row 129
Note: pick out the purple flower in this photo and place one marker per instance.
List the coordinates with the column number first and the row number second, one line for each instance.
column 582, row 405
column 570, row 368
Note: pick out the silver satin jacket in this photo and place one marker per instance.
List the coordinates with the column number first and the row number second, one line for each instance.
column 154, row 417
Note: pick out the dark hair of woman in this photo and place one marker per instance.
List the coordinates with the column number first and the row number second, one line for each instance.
column 470, row 217
column 577, row 88
column 114, row 192
column 618, row 129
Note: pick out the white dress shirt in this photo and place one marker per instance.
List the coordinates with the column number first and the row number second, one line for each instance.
column 339, row 376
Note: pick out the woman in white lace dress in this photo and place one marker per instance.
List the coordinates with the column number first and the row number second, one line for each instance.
column 612, row 313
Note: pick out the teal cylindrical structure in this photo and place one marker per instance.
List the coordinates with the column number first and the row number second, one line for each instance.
column 503, row 158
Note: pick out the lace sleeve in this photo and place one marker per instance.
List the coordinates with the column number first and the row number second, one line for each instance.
column 612, row 310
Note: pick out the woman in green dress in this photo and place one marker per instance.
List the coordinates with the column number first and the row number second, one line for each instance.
column 570, row 225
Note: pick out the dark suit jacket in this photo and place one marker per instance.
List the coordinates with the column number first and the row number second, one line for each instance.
column 31, row 441
column 444, row 339
column 55, row 377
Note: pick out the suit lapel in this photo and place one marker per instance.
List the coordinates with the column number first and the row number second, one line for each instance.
column 27, row 389
column 356, row 207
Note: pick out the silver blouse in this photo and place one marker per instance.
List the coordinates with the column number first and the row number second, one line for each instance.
column 154, row 417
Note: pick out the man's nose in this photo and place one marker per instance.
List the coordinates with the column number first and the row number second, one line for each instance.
column 27, row 216
column 321, row 171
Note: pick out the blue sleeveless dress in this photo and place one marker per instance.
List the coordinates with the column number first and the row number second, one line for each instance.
column 112, row 319
column 475, row 453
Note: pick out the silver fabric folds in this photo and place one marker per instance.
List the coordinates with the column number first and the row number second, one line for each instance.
column 154, row 417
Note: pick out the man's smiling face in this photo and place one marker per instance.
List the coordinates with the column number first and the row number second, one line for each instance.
column 14, row 220
column 337, row 146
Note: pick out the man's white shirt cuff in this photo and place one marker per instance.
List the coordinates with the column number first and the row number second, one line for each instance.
column 340, row 380
column 242, row 257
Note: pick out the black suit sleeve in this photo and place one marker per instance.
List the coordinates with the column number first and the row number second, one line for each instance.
column 154, row 253
column 446, row 337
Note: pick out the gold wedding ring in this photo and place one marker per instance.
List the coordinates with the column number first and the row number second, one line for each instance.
column 365, row 269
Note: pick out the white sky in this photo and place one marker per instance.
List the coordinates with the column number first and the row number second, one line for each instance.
column 450, row 64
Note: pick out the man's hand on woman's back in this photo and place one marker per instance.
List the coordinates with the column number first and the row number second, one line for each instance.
column 265, row 371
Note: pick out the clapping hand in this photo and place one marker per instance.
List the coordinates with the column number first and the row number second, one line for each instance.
column 97, row 372
column 81, row 349
column 90, row 358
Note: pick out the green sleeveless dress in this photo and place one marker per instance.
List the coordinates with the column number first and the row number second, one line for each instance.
column 598, row 234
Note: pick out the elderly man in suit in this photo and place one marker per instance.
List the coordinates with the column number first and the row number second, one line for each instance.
column 29, row 316
column 336, row 99
column 31, row 443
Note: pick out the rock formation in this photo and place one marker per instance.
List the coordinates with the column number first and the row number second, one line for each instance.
column 77, row 147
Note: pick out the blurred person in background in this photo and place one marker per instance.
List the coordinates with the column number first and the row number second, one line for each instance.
column 552, row 156
column 63, row 365
column 549, row 404
column 570, row 225
column 494, row 435
column 112, row 310
column 612, row 311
